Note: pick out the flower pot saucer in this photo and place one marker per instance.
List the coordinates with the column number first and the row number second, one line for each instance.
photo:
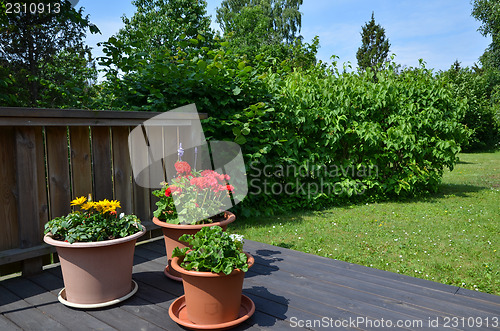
column 178, row 313
column 169, row 274
column 62, row 299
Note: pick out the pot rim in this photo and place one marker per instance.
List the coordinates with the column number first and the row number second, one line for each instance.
column 231, row 218
column 181, row 270
column 58, row 243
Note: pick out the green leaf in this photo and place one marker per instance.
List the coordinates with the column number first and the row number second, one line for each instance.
column 240, row 140
column 236, row 90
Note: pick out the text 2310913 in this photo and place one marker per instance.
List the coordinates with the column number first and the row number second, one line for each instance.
column 32, row 7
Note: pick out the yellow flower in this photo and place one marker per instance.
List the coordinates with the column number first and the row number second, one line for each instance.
column 87, row 205
column 106, row 206
column 114, row 204
column 78, row 201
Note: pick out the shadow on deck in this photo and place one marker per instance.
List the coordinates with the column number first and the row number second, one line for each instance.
column 291, row 290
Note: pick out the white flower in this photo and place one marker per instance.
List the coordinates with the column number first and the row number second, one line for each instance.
column 121, row 215
column 236, row 237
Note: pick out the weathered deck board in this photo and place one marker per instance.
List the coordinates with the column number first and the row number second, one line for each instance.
column 287, row 287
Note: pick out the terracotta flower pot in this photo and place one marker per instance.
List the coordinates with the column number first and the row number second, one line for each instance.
column 98, row 273
column 212, row 299
column 172, row 233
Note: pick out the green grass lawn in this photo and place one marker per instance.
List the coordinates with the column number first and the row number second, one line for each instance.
column 452, row 237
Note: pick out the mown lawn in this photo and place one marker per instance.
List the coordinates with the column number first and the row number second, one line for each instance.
column 452, row 237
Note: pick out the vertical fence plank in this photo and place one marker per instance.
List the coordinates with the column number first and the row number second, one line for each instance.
column 81, row 167
column 156, row 168
column 122, row 170
column 28, row 217
column 188, row 138
column 41, row 176
column 101, row 157
column 141, row 194
column 58, row 171
column 9, row 235
column 170, row 146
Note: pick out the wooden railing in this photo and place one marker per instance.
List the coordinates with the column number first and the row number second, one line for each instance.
column 49, row 157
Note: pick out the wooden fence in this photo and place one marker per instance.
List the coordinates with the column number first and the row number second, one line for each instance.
column 50, row 156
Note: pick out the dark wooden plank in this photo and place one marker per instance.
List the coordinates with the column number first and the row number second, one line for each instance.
column 6, row 324
column 286, row 286
column 122, row 170
column 155, row 155
column 142, row 195
column 116, row 316
column 63, row 121
column 19, row 254
column 41, row 175
column 58, row 171
column 323, row 264
column 6, row 112
column 351, row 301
column 81, row 167
column 23, row 314
column 189, row 137
column 101, row 160
column 48, row 304
column 28, row 211
column 9, row 236
column 479, row 296
column 373, row 282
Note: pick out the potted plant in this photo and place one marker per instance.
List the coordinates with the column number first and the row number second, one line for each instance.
column 192, row 200
column 96, row 250
column 212, row 275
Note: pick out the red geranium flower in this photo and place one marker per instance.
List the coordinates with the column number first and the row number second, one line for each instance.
column 182, row 167
column 168, row 192
column 230, row 188
column 175, row 189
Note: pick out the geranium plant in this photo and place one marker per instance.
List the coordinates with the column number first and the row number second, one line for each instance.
column 193, row 197
column 213, row 250
column 93, row 221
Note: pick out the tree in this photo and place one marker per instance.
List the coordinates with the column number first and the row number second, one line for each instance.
column 260, row 26
column 29, row 43
column 162, row 24
column 280, row 19
column 374, row 49
column 488, row 12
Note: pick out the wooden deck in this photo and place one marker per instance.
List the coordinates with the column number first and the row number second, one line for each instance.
column 291, row 290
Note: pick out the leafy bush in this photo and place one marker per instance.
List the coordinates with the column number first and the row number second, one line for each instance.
column 481, row 109
column 334, row 137
column 311, row 138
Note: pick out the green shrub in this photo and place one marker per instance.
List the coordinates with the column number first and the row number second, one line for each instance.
column 481, row 116
column 335, row 137
column 310, row 138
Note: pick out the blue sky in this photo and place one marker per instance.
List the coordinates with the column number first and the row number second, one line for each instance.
column 437, row 31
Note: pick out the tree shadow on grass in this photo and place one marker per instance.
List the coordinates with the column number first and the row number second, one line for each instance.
column 460, row 190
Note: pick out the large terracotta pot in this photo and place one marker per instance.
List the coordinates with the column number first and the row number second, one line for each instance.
column 98, row 273
column 172, row 233
column 212, row 299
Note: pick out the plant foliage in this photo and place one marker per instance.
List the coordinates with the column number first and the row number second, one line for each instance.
column 96, row 221
column 213, row 250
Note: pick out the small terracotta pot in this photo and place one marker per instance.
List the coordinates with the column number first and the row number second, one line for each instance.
column 96, row 272
column 212, row 298
column 172, row 233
